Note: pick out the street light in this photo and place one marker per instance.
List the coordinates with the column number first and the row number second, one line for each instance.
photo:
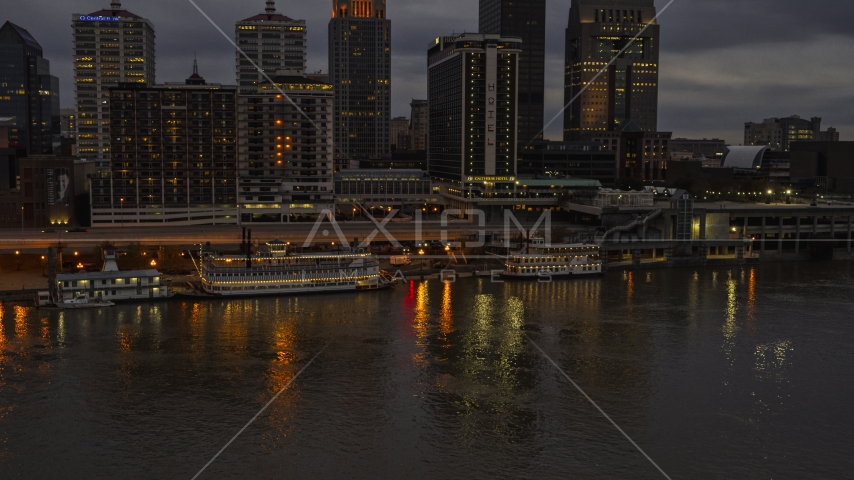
column 122, row 211
column 18, row 258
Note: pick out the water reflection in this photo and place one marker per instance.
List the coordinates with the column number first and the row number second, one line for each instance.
column 61, row 332
column 419, row 323
column 630, row 286
column 772, row 357
column 446, row 317
column 751, row 296
column 2, row 331
column 21, row 321
column 730, row 327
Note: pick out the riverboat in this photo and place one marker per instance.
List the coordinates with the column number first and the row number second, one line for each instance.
column 276, row 270
column 83, row 301
column 541, row 261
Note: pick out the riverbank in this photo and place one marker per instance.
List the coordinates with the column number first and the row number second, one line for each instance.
column 20, row 287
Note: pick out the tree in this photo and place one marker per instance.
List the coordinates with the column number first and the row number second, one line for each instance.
column 170, row 258
column 136, row 258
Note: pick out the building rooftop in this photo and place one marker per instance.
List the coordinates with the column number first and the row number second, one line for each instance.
column 745, row 158
column 294, row 82
column 269, row 18
column 269, row 15
column 23, row 33
column 115, row 10
column 67, row 277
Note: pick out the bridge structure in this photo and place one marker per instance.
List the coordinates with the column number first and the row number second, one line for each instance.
column 696, row 232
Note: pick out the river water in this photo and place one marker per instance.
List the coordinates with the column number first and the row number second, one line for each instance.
column 718, row 373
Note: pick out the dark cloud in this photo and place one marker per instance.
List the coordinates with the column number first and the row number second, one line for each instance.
column 699, row 25
column 721, row 59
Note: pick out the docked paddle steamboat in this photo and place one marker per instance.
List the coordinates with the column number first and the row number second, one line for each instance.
column 537, row 260
column 277, row 271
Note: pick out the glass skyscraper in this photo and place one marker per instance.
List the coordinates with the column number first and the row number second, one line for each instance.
column 28, row 91
column 525, row 19
column 628, row 89
column 360, row 71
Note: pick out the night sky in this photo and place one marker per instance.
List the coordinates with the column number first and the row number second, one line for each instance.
column 723, row 62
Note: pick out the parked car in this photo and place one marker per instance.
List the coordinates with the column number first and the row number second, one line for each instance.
column 51, row 230
column 77, row 230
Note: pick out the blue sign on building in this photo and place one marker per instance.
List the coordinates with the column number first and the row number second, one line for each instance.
column 99, row 18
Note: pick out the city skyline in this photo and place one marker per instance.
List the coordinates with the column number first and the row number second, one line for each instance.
column 712, row 79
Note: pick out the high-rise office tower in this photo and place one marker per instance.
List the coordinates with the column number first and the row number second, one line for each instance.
column 524, row 19
column 360, row 70
column 400, row 133
column 285, row 152
column 472, row 82
column 273, row 42
column 419, row 124
column 111, row 46
column 174, row 149
column 628, row 89
column 28, row 91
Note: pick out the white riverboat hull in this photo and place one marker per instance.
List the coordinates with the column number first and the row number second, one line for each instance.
column 76, row 306
column 256, row 291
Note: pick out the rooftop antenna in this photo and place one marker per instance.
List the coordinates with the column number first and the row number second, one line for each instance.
column 195, row 64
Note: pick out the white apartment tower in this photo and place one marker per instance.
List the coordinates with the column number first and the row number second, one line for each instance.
column 360, row 70
column 273, row 42
column 111, row 46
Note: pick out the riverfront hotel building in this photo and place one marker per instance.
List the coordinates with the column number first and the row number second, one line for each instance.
column 272, row 41
column 173, row 156
column 628, row 89
column 360, row 70
column 285, row 150
column 472, row 90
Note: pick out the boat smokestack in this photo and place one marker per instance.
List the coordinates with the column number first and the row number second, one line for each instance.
column 249, row 249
